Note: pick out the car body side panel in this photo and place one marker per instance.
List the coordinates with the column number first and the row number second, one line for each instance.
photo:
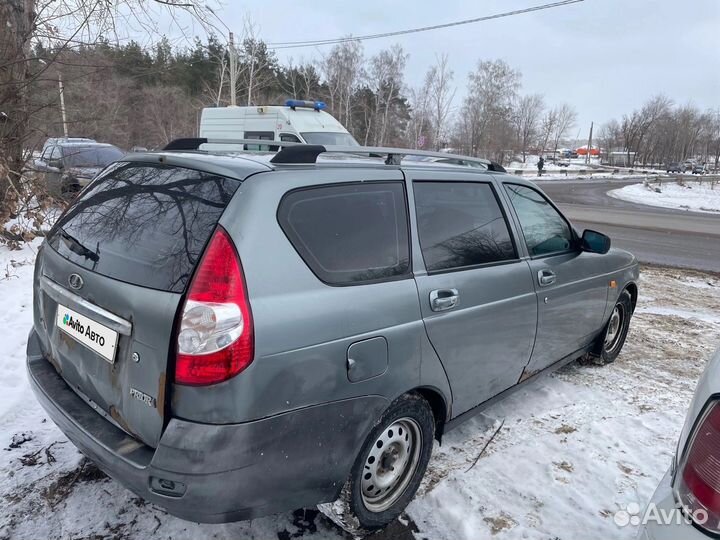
column 578, row 303
column 664, row 498
column 677, row 527
column 486, row 340
column 571, row 310
column 303, row 327
column 708, row 387
column 218, row 473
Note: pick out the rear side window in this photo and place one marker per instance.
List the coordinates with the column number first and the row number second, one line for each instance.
column 349, row 234
column 143, row 224
column 460, row 224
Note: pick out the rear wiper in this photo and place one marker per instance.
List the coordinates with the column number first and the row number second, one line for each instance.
column 77, row 248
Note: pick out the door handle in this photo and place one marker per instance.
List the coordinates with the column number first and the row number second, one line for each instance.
column 444, row 299
column 546, row 277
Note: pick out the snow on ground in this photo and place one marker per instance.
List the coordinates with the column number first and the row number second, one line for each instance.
column 603, row 175
column 697, row 196
column 574, row 448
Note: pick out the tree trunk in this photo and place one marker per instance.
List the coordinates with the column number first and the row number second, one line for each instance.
column 16, row 22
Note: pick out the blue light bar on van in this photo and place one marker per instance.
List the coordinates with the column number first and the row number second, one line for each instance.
column 305, row 103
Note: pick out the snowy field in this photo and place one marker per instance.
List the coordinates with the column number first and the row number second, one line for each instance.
column 575, row 447
column 696, row 196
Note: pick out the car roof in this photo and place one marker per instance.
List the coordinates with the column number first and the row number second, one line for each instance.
column 59, row 140
column 87, row 144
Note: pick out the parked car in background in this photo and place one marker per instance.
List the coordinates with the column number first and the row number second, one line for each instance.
column 167, row 344
column 689, row 493
column 698, row 168
column 52, row 141
column 675, row 167
column 138, row 149
column 66, row 167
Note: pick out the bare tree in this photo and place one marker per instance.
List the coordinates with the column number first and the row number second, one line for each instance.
column 486, row 120
column 635, row 126
column 301, row 80
column 385, row 78
column 62, row 25
column 342, row 69
column 527, row 121
column 169, row 112
column 257, row 63
column 566, row 118
column 17, row 20
column 610, row 137
column 547, row 127
column 419, row 116
column 438, row 81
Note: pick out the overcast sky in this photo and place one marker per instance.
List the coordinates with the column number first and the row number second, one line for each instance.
column 606, row 57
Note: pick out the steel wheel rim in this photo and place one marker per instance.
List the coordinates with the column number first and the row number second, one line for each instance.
column 390, row 464
column 614, row 331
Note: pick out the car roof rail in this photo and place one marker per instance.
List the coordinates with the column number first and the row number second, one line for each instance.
column 393, row 156
column 301, row 153
column 194, row 143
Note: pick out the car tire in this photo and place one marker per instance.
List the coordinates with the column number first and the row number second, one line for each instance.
column 611, row 340
column 378, row 489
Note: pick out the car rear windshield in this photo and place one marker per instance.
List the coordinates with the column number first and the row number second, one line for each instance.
column 145, row 224
column 90, row 156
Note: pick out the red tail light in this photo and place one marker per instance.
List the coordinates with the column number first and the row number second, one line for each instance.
column 215, row 334
column 699, row 474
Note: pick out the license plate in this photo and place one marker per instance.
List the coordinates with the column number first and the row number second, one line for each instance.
column 92, row 334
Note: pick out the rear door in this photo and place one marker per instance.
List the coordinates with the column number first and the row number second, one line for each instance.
column 111, row 276
column 476, row 295
column 571, row 293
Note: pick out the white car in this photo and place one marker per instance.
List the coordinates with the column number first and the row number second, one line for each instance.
column 686, row 504
column 299, row 121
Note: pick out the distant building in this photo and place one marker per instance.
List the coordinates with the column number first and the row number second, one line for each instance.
column 583, row 151
column 619, row 158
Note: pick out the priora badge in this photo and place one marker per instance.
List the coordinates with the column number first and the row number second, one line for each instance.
column 75, row 281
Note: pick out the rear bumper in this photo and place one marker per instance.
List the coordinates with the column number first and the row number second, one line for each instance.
column 218, row 473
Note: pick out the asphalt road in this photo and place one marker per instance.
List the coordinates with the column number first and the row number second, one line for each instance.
column 655, row 235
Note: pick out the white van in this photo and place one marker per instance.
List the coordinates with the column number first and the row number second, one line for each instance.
column 298, row 121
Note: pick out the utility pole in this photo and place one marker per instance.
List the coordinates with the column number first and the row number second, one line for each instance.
column 233, row 70
column 62, row 105
column 589, row 146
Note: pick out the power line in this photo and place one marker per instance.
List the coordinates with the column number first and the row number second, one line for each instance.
column 315, row 43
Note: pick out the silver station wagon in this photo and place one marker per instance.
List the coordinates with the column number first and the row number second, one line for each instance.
column 233, row 335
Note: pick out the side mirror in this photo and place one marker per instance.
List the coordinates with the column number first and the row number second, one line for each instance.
column 55, row 163
column 595, row 242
